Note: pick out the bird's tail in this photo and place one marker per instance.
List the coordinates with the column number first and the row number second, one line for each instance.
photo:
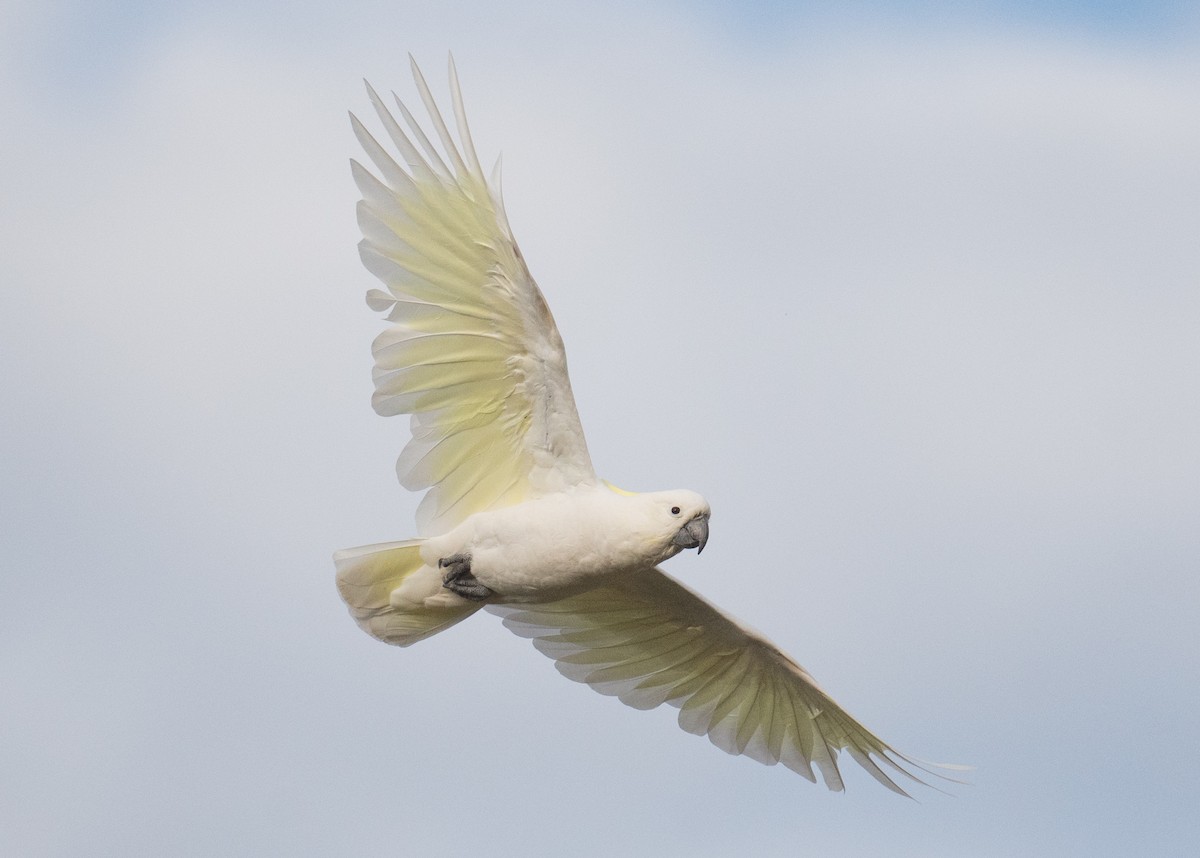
column 394, row 595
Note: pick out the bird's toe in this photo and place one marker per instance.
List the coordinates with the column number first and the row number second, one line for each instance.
column 458, row 578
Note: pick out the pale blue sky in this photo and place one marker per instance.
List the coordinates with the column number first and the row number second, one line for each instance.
column 911, row 294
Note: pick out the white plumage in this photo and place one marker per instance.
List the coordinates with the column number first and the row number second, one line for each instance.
column 514, row 518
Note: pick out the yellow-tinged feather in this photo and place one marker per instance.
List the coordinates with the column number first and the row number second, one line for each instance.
column 619, row 490
column 473, row 336
column 649, row 640
column 369, row 579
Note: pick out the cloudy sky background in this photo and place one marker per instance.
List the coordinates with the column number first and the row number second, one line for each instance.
column 911, row 294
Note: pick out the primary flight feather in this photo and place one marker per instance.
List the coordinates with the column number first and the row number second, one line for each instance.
column 514, row 518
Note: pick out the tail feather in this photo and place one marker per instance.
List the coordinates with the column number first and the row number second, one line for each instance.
column 394, row 596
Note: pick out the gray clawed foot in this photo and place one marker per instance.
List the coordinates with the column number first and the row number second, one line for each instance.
column 458, row 578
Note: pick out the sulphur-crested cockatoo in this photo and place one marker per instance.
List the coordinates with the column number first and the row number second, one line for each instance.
column 514, row 518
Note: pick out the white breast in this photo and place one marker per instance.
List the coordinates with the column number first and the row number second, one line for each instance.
column 540, row 549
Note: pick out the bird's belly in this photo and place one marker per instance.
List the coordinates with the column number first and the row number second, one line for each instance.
column 547, row 548
column 547, row 572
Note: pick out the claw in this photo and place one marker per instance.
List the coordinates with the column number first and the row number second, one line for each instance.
column 458, row 579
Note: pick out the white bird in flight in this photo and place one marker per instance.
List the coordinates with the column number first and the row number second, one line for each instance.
column 514, row 518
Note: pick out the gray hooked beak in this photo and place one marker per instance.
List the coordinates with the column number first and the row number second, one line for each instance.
column 694, row 534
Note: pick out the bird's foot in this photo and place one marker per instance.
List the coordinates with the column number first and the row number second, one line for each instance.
column 458, row 578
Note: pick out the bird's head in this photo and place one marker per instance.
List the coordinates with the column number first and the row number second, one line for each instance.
column 680, row 519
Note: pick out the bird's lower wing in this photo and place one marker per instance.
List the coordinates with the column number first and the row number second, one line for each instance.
column 648, row 640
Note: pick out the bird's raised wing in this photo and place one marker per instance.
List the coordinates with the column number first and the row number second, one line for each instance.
column 648, row 640
column 474, row 355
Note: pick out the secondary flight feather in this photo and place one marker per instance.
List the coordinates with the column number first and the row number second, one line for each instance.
column 514, row 519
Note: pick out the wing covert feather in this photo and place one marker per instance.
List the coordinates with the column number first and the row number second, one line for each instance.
column 474, row 355
column 647, row 639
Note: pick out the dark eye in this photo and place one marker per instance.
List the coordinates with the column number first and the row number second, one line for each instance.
column 674, row 510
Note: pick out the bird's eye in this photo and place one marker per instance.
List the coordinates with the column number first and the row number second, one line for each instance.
column 674, row 510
